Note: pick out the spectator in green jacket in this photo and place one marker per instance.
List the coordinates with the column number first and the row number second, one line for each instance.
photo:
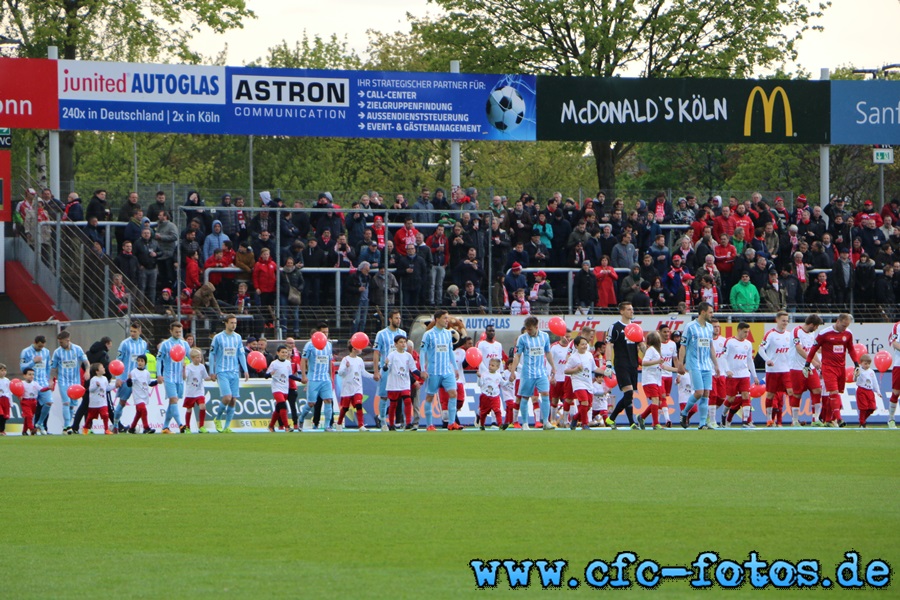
column 744, row 295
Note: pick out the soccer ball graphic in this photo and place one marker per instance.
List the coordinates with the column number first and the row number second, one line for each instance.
column 505, row 108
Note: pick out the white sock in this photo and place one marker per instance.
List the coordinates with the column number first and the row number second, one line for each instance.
column 746, row 414
column 664, row 414
column 795, row 415
column 892, row 410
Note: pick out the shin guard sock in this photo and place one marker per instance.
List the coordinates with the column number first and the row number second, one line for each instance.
column 892, row 409
column 583, row 415
column 360, row 419
column 703, row 403
column 545, row 409
column 746, row 415
column 654, row 410
column 407, row 410
column 451, row 411
column 627, row 399
column 229, row 415
column 327, row 413
column 187, row 417
column 383, row 405
column 523, row 412
column 510, row 413
column 117, row 413
column 392, row 414
column 341, row 415
column 429, row 417
column 201, row 416
column 223, row 408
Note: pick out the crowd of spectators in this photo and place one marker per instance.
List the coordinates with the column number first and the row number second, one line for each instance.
column 748, row 255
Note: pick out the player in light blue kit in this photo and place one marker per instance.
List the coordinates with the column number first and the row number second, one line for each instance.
column 532, row 349
column 37, row 357
column 131, row 347
column 226, row 361
column 315, row 373
column 170, row 373
column 439, row 368
column 384, row 343
column 698, row 356
column 65, row 369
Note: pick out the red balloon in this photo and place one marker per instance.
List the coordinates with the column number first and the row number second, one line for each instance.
column 634, row 333
column 75, row 391
column 860, row 350
column 359, row 340
column 557, row 326
column 116, row 367
column 473, row 357
column 883, row 361
column 610, row 382
column 176, row 353
column 319, row 340
column 758, row 390
column 17, row 387
column 849, row 377
column 257, row 361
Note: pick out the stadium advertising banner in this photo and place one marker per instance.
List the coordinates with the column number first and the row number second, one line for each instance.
column 28, row 94
column 684, row 110
column 294, row 102
column 865, row 112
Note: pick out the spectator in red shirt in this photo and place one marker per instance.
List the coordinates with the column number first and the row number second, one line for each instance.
column 406, row 235
column 742, row 219
column 697, row 227
column 892, row 210
column 265, row 272
column 724, row 223
column 725, row 253
column 868, row 210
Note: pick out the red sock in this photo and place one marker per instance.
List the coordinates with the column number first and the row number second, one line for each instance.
column 187, row 417
column 201, row 416
column 273, row 420
column 654, row 410
column 510, row 407
column 459, row 402
column 407, row 410
column 693, row 410
column 359, row 417
column 105, row 422
column 862, row 417
column 498, row 418
column 836, row 408
column 137, row 417
column 894, row 397
column 647, row 411
column 604, row 414
column 284, row 418
column 583, row 414
column 340, row 420
column 392, row 413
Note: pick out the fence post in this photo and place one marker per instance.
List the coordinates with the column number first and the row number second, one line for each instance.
column 571, row 277
column 81, row 282
column 58, row 261
column 337, row 294
column 105, row 291
column 277, row 323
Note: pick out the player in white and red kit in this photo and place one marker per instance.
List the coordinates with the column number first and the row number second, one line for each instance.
column 894, row 340
column 351, row 372
column 867, row 389
column 561, row 386
column 489, row 401
column 581, row 367
column 804, row 338
column 775, row 349
column 835, row 342
column 652, row 368
column 719, row 387
column 669, row 352
column 399, row 365
column 739, row 368
column 282, row 371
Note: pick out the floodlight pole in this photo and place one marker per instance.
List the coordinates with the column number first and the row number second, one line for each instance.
column 454, row 145
column 53, row 54
column 824, row 160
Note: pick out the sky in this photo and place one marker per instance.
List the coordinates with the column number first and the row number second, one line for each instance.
column 858, row 32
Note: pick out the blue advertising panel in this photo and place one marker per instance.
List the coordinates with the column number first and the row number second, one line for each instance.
column 865, row 112
column 294, row 102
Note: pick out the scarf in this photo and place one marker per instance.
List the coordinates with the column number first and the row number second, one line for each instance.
column 823, row 288
column 379, row 235
column 242, row 223
column 660, row 211
column 710, row 296
column 801, row 272
column 534, row 290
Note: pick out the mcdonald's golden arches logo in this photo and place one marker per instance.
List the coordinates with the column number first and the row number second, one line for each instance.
column 768, row 102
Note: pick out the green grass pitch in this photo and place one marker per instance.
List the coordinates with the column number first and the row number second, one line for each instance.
column 401, row 515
